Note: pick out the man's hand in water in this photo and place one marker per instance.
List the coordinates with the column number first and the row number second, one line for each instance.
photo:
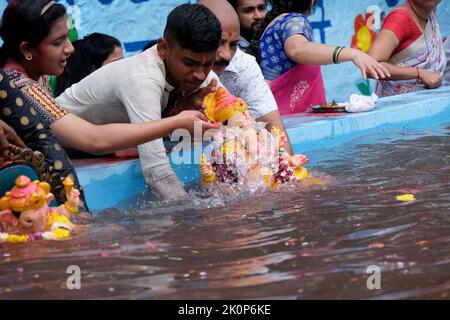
column 7, row 136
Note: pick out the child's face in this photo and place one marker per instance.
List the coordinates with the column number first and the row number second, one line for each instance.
column 51, row 54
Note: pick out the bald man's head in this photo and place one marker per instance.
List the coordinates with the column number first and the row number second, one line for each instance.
column 223, row 11
column 230, row 32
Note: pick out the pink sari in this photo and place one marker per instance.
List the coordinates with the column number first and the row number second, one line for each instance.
column 298, row 89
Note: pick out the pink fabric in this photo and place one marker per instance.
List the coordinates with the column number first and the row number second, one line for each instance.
column 298, row 89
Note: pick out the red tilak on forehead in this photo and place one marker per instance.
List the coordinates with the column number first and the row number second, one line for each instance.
column 203, row 60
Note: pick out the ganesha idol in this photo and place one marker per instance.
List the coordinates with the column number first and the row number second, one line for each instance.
column 26, row 214
column 246, row 152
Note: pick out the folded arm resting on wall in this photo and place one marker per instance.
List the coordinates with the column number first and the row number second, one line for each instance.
column 301, row 51
column 382, row 50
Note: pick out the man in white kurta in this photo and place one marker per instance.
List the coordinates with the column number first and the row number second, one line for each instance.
column 138, row 88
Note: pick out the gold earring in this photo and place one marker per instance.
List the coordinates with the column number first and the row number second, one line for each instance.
column 29, row 57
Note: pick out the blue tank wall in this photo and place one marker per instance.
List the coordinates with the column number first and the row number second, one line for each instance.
column 135, row 22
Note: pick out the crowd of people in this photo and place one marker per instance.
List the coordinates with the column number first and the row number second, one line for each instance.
column 103, row 102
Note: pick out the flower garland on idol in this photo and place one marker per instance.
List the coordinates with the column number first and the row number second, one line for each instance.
column 246, row 148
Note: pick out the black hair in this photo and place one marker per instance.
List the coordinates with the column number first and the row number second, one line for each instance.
column 194, row 27
column 278, row 7
column 282, row 6
column 89, row 55
column 25, row 21
column 235, row 3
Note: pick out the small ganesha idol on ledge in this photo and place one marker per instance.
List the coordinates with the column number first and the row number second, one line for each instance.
column 26, row 214
column 245, row 152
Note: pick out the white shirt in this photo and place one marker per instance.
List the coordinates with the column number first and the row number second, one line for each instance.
column 136, row 85
column 244, row 79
